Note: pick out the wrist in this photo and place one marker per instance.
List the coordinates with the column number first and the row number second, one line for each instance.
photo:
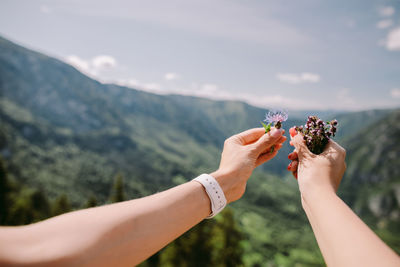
column 223, row 180
column 204, row 199
column 214, row 191
column 232, row 185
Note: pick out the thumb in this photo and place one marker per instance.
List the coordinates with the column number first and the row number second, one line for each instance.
column 300, row 146
column 267, row 140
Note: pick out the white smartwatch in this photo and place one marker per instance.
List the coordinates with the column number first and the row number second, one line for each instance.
column 214, row 192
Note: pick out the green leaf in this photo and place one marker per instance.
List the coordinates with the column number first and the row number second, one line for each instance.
column 266, row 127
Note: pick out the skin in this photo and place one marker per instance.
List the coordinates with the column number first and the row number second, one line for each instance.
column 343, row 238
column 126, row 233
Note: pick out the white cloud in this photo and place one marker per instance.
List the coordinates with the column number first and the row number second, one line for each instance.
column 128, row 82
column 132, row 83
column 383, row 24
column 94, row 66
column 154, row 87
column 45, row 9
column 310, row 77
column 103, row 62
column 209, row 88
column 215, row 92
column 294, row 78
column 79, row 63
column 289, row 78
column 344, row 98
column 386, row 11
column 395, row 92
column 393, row 40
column 350, row 23
column 170, row 76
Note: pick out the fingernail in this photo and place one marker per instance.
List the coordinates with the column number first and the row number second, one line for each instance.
column 292, row 131
column 289, row 166
column 276, row 132
column 289, row 156
column 291, row 143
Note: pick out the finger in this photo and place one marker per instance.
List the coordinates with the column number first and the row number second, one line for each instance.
column 267, row 140
column 282, row 139
column 272, row 148
column 294, row 166
column 300, row 146
column 333, row 147
column 295, row 174
column 293, row 156
column 249, row 136
column 292, row 131
column 264, row 157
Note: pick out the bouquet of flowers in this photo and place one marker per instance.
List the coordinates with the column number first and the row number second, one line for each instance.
column 316, row 133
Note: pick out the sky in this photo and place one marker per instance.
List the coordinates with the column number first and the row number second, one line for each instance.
column 304, row 54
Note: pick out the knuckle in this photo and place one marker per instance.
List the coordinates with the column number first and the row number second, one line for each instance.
column 253, row 148
column 228, row 141
column 266, row 140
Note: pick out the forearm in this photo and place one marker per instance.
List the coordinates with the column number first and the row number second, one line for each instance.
column 343, row 238
column 317, row 232
column 122, row 234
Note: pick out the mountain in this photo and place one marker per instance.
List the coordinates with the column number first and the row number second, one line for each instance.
column 64, row 133
column 372, row 182
column 169, row 135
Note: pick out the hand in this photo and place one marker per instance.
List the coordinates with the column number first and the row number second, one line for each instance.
column 317, row 173
column 241, row 154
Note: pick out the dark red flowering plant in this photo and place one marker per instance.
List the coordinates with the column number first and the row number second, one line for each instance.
column 316, row 133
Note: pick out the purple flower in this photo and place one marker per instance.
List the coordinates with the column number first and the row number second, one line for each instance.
column 276, row 116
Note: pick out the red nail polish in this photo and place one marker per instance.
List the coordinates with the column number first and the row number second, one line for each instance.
column 292, row 131
column 289, row 166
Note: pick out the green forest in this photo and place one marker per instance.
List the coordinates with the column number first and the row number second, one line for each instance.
column 68, row 142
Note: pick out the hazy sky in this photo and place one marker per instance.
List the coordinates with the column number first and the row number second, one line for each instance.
column 340, row 54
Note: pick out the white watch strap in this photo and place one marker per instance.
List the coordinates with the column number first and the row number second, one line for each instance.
column 214, row 192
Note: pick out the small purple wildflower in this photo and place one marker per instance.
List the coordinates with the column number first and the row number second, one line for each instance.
column 277, row 117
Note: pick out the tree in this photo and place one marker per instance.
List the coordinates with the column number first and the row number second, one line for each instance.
column 61, row 205
column 118, row 192
column 231, row 252
column 39, row 206
column 4, row 193
column 215, row 242
column 28, row 206
column 194, row 248
column 91, row 202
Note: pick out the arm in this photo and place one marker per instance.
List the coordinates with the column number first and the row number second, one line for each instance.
column 343, row 238
column 126, row 233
